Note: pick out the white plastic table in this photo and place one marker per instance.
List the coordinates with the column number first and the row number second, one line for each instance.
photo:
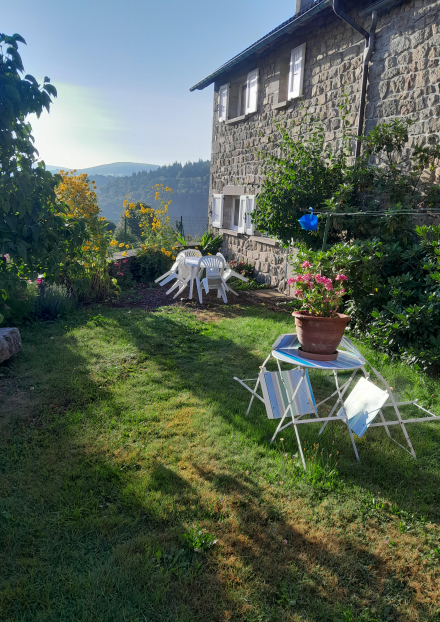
column 192, row 263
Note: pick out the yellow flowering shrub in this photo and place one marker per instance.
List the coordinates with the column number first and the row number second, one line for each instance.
column 79, row 196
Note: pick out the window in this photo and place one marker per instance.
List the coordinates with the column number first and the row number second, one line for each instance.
column 223, row 96
column 235, row 213
column 217, row 210
column 296, row 72
column 252, row 92
column 242, row 96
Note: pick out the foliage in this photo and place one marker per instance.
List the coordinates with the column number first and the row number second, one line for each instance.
column 154, row 223
column 20, row 304
column 320, row 295
column 198, row 540
column 309, row 172
column 85, row 271
column 190, row 183
column 34, row 232
column 208, row 245
column 52, row 302
column 149, row 264
column 393, row 296
column 243, row 268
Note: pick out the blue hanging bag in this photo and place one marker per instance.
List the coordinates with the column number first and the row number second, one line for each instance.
column 309, row 222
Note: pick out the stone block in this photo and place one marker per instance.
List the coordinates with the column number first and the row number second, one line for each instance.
column 10, row 343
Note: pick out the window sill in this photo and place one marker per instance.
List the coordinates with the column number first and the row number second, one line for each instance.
column 281, row 105
column 243, row 117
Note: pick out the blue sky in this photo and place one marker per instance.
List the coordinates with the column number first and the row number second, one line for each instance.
column 123, row 69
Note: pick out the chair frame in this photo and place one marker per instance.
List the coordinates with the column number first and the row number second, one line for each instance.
column 220, row 265
column 337, row 414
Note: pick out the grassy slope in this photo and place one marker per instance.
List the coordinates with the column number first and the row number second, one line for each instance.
column 120, row 433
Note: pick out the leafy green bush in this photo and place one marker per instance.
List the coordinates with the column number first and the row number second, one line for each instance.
column 53, row 301
column 308, row 172
column 19, row 305
column 208, row 245
column 150, row 264
column 393, row 292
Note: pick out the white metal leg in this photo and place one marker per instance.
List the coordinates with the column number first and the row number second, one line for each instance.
column 345, row 415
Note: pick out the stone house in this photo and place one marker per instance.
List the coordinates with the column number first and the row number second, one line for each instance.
column 384, row 54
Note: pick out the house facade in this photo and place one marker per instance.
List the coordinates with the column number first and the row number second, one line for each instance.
column 312, row 60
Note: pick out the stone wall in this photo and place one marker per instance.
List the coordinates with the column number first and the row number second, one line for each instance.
column 404, row 81
column 271, row 262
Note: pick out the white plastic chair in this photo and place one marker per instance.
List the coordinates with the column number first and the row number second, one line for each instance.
column 213, row 280
column 228, row 272
column 179, row 271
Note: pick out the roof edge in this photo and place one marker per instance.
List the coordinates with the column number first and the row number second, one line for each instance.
column 291, row 24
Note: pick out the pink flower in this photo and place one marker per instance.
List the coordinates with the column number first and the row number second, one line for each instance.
column 306, row 264
column 328, row 286
column 341, row 277
column 298, row 293
column 284, row 541
column 342, row 291
column 291, row 280
column 116, row 263
column 120, row 273
column 318, row 278
column 39, row 281
column 308, row 277
column 124, row 260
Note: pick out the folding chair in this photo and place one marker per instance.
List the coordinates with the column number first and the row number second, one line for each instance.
column 283, row 392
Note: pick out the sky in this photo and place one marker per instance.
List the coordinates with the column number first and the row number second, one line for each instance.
column 123, row 69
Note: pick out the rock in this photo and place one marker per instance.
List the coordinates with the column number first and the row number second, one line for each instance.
column 10, row 343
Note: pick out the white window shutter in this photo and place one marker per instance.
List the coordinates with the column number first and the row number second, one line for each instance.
column 242, row 215
column 252, row 92
column 223, row 97
column 296, row 74
column 217, row 210
column 250, row 204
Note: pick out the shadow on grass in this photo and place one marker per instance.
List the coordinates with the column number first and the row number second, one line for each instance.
column 205, row 364
column 84, row 541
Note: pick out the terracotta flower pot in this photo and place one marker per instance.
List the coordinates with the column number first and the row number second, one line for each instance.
column 320, row 336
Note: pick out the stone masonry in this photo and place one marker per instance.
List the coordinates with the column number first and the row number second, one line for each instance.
column 404, row 81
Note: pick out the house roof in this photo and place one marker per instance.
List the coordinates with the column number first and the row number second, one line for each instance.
column 286, row 27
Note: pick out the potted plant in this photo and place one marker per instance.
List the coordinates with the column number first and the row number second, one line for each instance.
column 319, row 326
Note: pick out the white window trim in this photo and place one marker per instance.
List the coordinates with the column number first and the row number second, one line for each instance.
column 224, row 118
column 294, row 94
column 242, row 215
column 251, row 74
column 250, row 206
column 218, row 223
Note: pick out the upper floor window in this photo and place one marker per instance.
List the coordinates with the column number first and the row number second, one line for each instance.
column 238, row 98
column 290, row 71
column 296, row 72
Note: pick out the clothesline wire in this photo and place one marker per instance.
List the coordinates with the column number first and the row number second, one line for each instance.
column 381, row 214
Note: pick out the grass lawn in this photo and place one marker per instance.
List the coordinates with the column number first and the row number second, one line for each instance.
column 123, row 435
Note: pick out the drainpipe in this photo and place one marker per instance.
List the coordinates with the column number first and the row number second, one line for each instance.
column 370, row 38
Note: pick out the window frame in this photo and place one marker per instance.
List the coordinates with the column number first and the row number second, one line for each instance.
column 291, row 94
column 223, row 118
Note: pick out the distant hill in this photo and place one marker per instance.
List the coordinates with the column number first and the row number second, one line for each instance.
column 189, row 182
column 116, row 169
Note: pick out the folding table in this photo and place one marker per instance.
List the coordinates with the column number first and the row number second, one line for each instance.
column 291, row 391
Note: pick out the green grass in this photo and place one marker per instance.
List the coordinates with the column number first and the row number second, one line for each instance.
column 124, row 446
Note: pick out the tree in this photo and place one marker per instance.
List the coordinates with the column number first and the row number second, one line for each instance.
column 35, row 235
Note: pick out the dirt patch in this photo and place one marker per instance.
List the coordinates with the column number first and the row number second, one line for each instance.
column 154, row 298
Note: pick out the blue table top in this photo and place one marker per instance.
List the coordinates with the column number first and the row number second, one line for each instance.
column 285, row 349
